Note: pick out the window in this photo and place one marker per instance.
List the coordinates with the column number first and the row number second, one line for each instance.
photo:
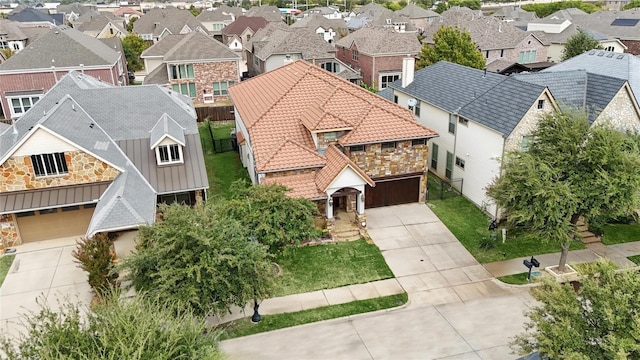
column 330, row 135
column 20, row 105
column 416, row 142
column 89, row 206
column 146, row 37
column 385, row 80
column 181, row 72
column 463, row 121
column 395, row 99
column 448, row 172
column 217, row 27
column 220, row 88
column 169, row 154
column 49, row 164
column 416, row 110
column 356, row 148
column 540, row 104
column 610, row 48
column 26, row 213
column 525, row 143
column 188, row 89
column 527, row 56
column 180, row 198
column 248, row 37
column 354, row 55
column 389, row 145
column 452, row 124
column 460, row 163
column 330, row 67
column 434, row 157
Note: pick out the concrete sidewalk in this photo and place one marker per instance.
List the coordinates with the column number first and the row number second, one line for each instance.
column 617, row 253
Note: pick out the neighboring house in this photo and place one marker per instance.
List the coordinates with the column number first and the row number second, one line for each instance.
column 329, row 141
column 496, row 39
column 28, row 75
column 420, row 18
column 327, row 12
column 128, row 13
column 74, row 167
column 73, row 11
column 477, row 126
column 514, row 14
column 194, row 65
column 158, row 23
column 622, row 25
column 101, row 25
column 216, row 20
column 507, row 68
column 32, row 16
column 329, row 30
column 237, row 34
column 377, row 53
column 278, row 44
column 11, row 36
column 373, row 14
column 268, row 12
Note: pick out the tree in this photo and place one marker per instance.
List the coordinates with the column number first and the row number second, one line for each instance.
column 133, row 46
column 598, row 321
column 198, row 258
column 570, row 170
column 271, row 216
column 632, row 5
column 130, row 23
column 545, row 9
column 578, row 44
column 454, row 45
column 7, row 52
column 136, row 328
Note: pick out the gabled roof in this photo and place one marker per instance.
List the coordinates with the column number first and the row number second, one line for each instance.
column 315, row 21
column 299, row 185
column 237, row 27
column 268, row 12
column 337, row 162
column 155, row 21
column 379, row 41
column 34, row 15
column 127, row 11
column 158, row 76
column 160, row 48
column 198, row 47
column 10, row 31
column 223, row 13
column 97, row 21
column 624, row 25
column 166, row 127
column 282, row 40
column 293, row 155
column 77, row 8
column 62, row 47
column 414, row 11
column 271, row 106
column 621, row 66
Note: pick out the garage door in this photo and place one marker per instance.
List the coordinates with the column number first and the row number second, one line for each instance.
column 54, row 223
column 392, row 192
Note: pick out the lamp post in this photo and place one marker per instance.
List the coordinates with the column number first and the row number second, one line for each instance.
column 530, row 264
column 256, row 317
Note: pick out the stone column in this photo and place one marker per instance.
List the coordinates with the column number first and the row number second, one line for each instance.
column 360, row 203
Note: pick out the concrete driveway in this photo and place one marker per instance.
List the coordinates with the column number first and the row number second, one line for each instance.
column 456, row 309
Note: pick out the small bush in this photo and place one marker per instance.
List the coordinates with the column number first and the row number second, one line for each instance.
column 487, row 242
column 95, row 257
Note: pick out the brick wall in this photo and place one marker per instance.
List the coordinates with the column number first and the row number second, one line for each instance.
column 208, row 73
column 371, row 67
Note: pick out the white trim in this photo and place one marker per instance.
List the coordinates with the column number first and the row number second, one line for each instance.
column 164, row 137
column 49, row 207
column 59, row 69
column 170, row 162
column 30, row 96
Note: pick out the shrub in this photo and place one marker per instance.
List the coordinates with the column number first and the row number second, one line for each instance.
column 487, row 242
column 95, row 257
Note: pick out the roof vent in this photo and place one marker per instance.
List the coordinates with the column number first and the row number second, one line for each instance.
column 91, row 126
column 620, row 56
column 600, row 53
column 592, row 52
column 610, row 55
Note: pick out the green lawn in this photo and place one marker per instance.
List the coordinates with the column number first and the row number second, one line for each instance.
column 222, row 169
column 469, row 225
column 620, row 233
column 5, row 265
column 516, row 279
column 244, row 327
column 635, row 259
column 313, row 268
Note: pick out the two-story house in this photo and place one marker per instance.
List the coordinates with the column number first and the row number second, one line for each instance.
column 92, row 158
column 194, row 65
column 329, row 141
column 29, row 74
column 11, row 36
column 101, row 25
column 420, row 18
column 217, row 19
column 158, row 23
column 377, row 53
column 329, row 29
column 237, row 34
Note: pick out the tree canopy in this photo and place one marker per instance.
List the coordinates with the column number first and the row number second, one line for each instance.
column 133, row 46
column 632, row 5
column 578, row 44
column 571, row 169
column 201, row 259
column 445, row 5
column 546, row 9
column 454, row 45
column 598, row 321
column 136, row 329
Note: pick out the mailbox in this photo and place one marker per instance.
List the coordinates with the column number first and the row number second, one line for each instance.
column 527, row 263
column 535, row 262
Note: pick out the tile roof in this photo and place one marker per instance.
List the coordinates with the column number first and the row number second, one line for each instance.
column 198, row 47
column 67, row 46
column 237, row 27
column 379, row 41
column 292, row 155
column 299, row 185
column 278, row 39
column 337, row 162
column 272, row 107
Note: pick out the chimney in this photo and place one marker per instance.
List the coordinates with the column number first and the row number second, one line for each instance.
column 408, row 68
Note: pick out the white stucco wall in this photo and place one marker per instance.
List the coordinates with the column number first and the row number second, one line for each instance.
column 348, row 178
column 152, row 64
column 246, row 152
column 43, row 142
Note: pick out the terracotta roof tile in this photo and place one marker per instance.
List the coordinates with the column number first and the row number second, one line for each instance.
column 299, row 185
column 291, row 155
column 336, row 163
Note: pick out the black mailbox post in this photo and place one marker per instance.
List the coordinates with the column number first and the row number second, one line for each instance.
column 533, row 262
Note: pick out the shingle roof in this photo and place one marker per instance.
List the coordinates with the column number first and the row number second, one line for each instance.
column 222, row 13
column 166, row 126
column 34, row 15
column 198, row 47
column 275, row 39
column 602, row 21
column 10, row 31
column 268, row 12
column 127, row 10
column 377, row 41
column 77, row 8
column 67, row 47
column 237, row 27
column 414, row 11
column 315, row 21
column 621, row 66
column 170, row 18
column 158, row 76
column 163, row 46
column 272, row 106
column 97, row 21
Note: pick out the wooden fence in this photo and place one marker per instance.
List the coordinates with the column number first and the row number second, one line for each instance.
column 215, row 113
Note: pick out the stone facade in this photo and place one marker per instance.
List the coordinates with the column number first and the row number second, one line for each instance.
column 620, row 112
column 327, row 138
column 8, row 231
column 289, row 172
column 403, row 159
column 205, row 74
column 17, row 174
column 528, row 123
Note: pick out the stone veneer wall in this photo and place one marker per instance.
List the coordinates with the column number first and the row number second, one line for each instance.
column 620, row 112
column 8, row 231
column 528, row 123
column 323, row 142
column 208, row 73
column 17, row 174
column 289, row 172
column 404, row 159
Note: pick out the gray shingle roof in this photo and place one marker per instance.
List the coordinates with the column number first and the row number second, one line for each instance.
column 601, row 21
column 376, row 41
column 315, row 21
column 67, row 46
column 155, row 21
column 161, row 47
column 33, row 15
column 223, row 13
column 621, row 66
column 237, row 27
column 386, row 93
column 96, row 21
column 414, row 11
column 166, row 126
column 197, row 47
column 77, row 8
column 159, row 76
column 10, row 31
column 278, row 39
column 268, row 12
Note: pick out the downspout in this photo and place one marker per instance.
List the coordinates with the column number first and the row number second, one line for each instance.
column 373, row 74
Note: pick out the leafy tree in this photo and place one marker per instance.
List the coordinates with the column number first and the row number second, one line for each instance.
column 130, row 23
column 570, row 170
column 198, row 258
column 598, row 321
column 454, row 45
column 7, row 52
column 445, row 5
column 578, row 44
column 133, row 46
column 271, row 216
column 393, row 6
column 372, row 88
column 96, row 259
column 441, row 7
column 137, row 328
column 632, row 5
column 194, row 11
column 544, row 10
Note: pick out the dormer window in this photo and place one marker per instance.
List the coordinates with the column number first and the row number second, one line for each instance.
column 169, row 154
column 167, row 139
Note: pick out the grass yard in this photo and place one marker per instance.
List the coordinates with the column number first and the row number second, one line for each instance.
column 516, row 279
column 5, row 265
column 635, row 259
column 224, row 168
column 620, row 233
column 469, row 225
column 329, row 266
column 244, row 327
